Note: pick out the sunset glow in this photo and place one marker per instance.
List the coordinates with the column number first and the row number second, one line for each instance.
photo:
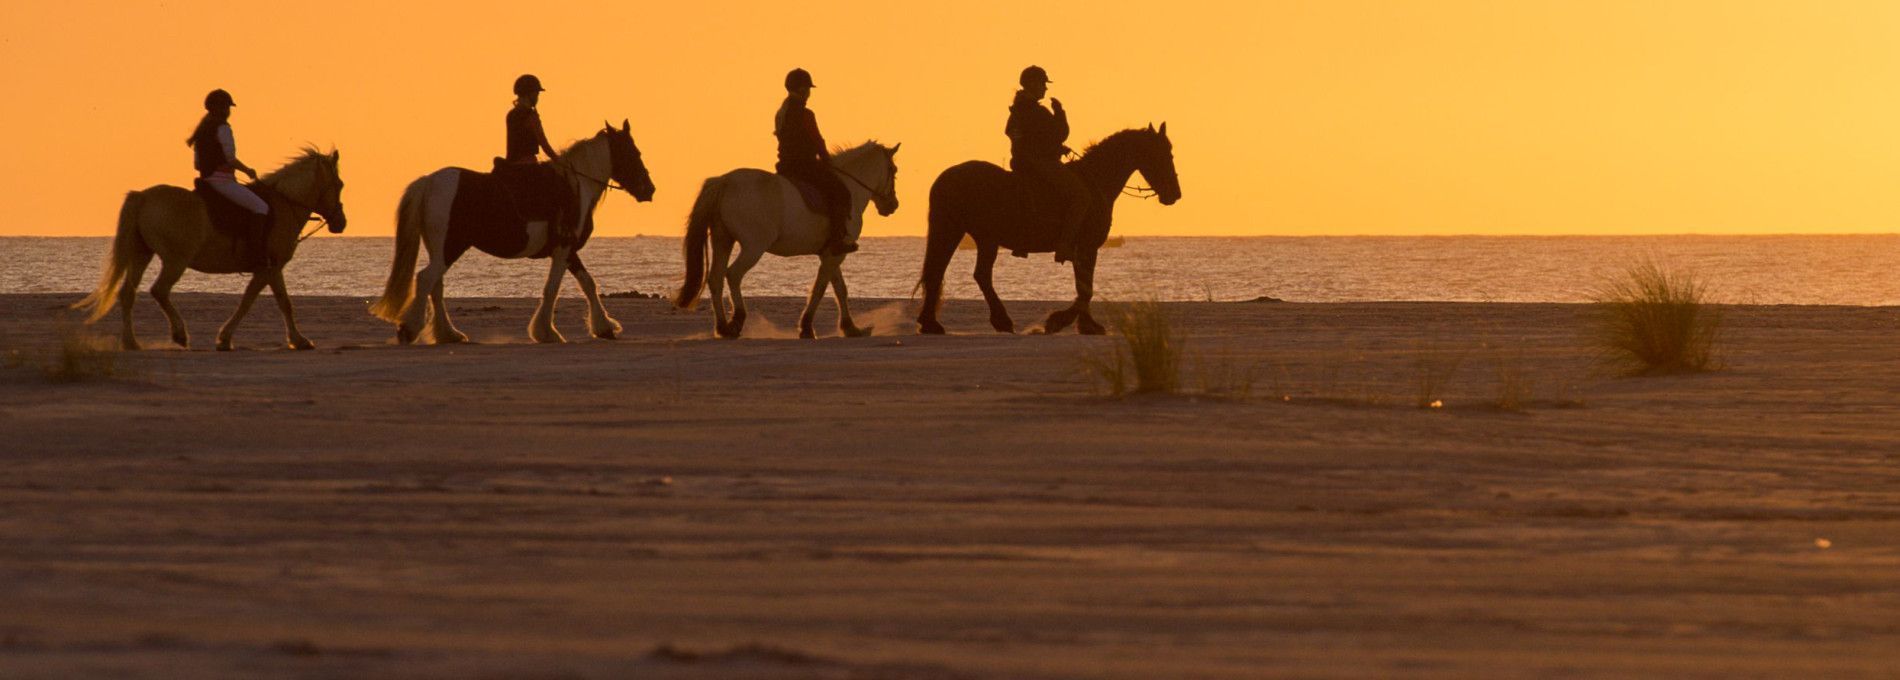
column 1288, row 118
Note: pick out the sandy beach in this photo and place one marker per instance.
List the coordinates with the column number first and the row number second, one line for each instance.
column 671, row 506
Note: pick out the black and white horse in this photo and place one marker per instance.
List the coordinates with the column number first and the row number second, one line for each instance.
column 454, row 209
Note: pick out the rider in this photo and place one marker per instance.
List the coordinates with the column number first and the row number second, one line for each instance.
column 526, row 141
column 802, row 156
column 1036, row 148
column 214, row 155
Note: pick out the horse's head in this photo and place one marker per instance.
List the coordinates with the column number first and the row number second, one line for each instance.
column 628, row 167
column 873, row 167
column 1156, row 163
column 313, row 181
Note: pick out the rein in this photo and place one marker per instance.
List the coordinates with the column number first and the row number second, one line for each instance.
column 310, row 214
column 878, row 193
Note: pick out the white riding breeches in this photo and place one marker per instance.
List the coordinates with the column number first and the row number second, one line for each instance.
column 227, row 186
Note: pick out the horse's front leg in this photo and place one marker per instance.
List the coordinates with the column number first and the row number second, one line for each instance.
column 443, row 329
column 845, row 325
column 598, row 322
column 291, row 335
column 818, row 285
column 716, row 279
column 244, row 307
column 1085, row 292
column 1084, row 264
column 985, row 267
column 541, row 327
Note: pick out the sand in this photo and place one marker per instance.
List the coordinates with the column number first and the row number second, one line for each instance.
column 671, row 506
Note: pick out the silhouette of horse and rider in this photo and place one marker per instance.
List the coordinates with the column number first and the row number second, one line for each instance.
column 812, row 204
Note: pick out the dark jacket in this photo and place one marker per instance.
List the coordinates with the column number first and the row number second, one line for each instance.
column 1035, row 134
column 799, row 142
column 525, row 136
column 207, row 153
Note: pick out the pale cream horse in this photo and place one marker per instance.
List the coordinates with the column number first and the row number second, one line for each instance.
column 171, row 222
column 762, row 212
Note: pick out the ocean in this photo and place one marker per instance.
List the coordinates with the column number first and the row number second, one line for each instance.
column 1817, row 270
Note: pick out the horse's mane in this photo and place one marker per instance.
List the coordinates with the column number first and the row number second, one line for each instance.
column 304, row 154
column 841, row 152
column 1116, row 139
column 576, row 143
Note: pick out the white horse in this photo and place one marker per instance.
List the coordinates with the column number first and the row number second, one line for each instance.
column 453, row 209
column 764, row 213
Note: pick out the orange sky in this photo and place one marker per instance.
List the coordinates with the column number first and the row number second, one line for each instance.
column 1322, row 117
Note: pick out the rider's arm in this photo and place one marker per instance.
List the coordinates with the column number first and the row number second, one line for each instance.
column 1062, row 121
column 541, row 137
column 811, row 126
column 230, row 152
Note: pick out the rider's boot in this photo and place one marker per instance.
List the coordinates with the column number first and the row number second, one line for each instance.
column 261, row 245
column 835, row 243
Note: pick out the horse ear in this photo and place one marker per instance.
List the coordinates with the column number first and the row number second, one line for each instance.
column 1151, row 127
column 894, row 149
column 625, row 126
column 1164, row 128
column 606, row 125
column 335, row 155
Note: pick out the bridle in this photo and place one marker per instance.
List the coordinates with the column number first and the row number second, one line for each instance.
column 311, row 214
column 606, row 184
column 879, row 194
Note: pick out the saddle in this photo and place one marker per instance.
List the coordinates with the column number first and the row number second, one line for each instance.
column 535, row 190
column 814, row 199
column 240, row 227
column 1039, row 202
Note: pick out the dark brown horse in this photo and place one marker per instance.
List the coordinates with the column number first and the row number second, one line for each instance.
column 998, row 209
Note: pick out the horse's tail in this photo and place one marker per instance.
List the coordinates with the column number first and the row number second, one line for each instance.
column 943, row 236
column 126, row 244
column 698, row 230
column 402, row 270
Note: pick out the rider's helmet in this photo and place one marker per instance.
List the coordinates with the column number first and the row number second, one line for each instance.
column 1033, row 76
column 798, row 78
column 218, row 99
column 528, row 84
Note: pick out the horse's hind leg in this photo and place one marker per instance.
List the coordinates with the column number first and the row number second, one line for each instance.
column 169, row 271
column 845, row 325
column 244, row 307
column 985, row 266
column 1085, row 291
column 442, row 330
column 716, row 278
column 817, row 295
column 541, row 327
column 598, row 322
column 128, row 294
column 292, row 336
column 734, row 275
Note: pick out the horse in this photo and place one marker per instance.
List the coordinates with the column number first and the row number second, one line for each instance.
column 999, row 210
column 426, row 217
column 764, row 213
column 174, row 224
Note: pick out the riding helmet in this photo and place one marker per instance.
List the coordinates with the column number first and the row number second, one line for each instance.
column 528, row 84
column 798, row 78
column 218, row 98
column 1034, row 75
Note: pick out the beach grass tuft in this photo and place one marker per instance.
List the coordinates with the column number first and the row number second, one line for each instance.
column 1652, row 320
column 1147, row 353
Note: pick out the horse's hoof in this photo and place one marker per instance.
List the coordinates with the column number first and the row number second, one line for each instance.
column 1003, row 325
column 302, row 345
column 929, row 327
column 856, row 332
column 1058, row 321
column 129, row 346
column 404, row 335
column 184, row 342
column 605, row 334
column 224, row 345
column 806, row 334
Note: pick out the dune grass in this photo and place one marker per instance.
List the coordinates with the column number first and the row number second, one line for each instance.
column 1147, row 352
column 1651, row 320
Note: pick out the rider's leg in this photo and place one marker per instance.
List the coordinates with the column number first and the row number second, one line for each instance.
column 837, row 212
column 229, row 188
column 1075, row 209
